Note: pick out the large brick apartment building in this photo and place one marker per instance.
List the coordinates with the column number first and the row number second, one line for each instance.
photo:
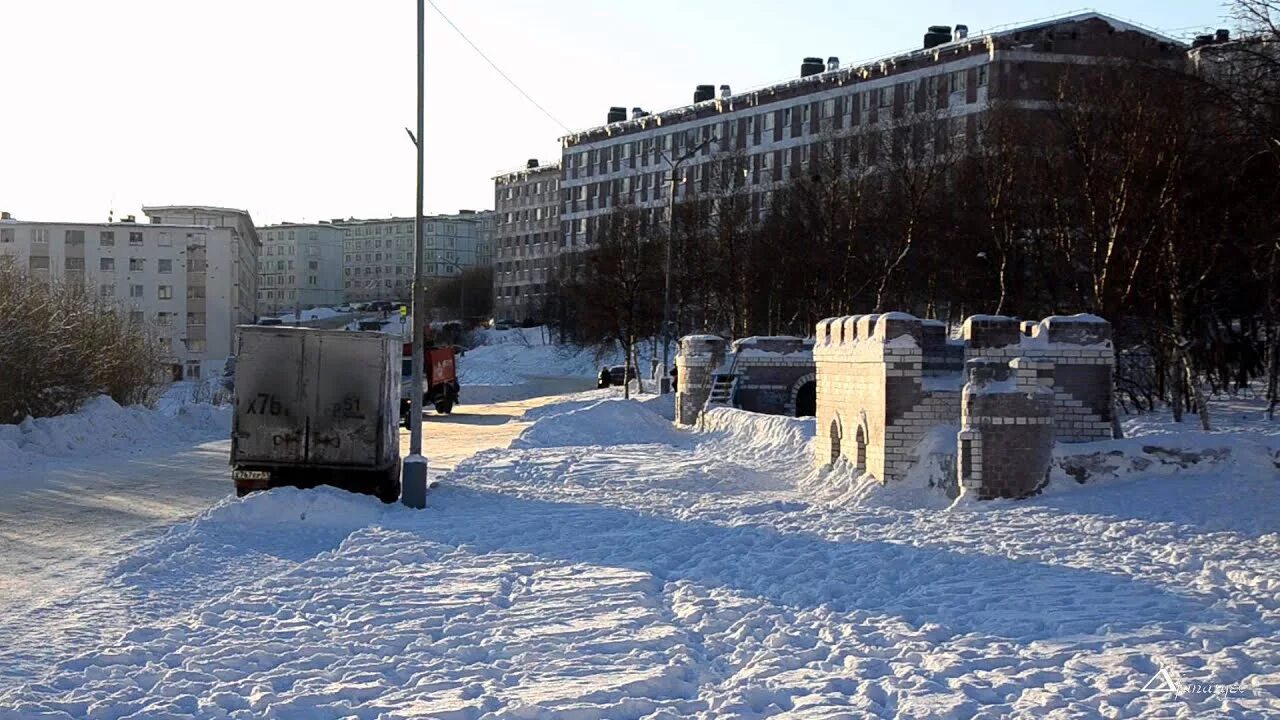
column 765, row 137
column 527, row 240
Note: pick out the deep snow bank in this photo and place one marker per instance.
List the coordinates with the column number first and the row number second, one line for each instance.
column 606, row 422
column 104, row 426
column 769, row 438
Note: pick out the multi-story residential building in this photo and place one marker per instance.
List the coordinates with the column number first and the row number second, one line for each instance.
column 759, row 140
column 528, row 239
column 222, row 276
column 300, row 267
column 161, row 274
column 378, row 254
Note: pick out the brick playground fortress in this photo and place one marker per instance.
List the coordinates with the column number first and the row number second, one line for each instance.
column 1003, row 393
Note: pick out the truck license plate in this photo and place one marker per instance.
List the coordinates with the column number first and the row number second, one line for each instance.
column 250, row 475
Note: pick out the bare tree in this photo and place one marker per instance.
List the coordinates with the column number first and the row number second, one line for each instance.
column 620, row 296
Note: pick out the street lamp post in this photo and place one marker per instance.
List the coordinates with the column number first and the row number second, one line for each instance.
column 664, row 383
column 414, row 475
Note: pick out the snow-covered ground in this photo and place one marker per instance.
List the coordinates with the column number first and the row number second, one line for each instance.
column 608, row 565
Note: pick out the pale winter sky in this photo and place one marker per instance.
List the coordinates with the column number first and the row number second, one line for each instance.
column 295, row 109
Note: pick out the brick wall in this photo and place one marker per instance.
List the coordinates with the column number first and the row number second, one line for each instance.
column 699, row 358
column 1006, row 434
column 885, row 381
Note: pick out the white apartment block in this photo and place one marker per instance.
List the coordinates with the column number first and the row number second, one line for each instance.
column 378, row 254
column 223, row 282
column 300, row 267
column 161, row 274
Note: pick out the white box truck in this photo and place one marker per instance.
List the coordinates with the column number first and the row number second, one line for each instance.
column 316, row 407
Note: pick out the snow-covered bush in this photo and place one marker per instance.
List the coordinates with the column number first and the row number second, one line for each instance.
column 60, row 346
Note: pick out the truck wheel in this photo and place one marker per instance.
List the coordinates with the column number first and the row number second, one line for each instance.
column 389, row 487
column 445, row 406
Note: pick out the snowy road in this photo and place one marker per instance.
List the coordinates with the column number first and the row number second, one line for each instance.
column 63, row 525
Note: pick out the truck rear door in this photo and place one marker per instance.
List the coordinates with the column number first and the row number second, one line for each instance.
column 441, row 366
column 271, row 411
column 347, row 417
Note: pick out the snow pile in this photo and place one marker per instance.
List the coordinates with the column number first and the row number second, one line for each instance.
column 320, row 313
column 603, row 423
column 663, row 405
column 761, row 438
column 101, row 426
column 568, row 403
column 926, row 485
column 1165, row 454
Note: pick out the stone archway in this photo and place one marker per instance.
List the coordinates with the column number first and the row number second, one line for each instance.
column 804, row 396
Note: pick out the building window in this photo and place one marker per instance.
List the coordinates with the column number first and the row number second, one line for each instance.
column 135, row 237
column 73, row 263
column 958, row 81
column 983, row 78
column 198, row 318
column 886, row 96
column 165, row 240
column 197, row 346
column 135, row 291
column 195, row 292
column 107, row 238
column 165, row 292
column 106, row 290
column 136, row 264
column 313, row 265
column 75, row 237
column 164, row 266
column 136, row 317
column 107, row 264
column 40, row 262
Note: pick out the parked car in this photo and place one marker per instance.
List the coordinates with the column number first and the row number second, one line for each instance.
column 229, row 374
column 621, row 374
column 270, row 321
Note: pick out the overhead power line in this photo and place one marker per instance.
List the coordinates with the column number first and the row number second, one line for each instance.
column 494, row 65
